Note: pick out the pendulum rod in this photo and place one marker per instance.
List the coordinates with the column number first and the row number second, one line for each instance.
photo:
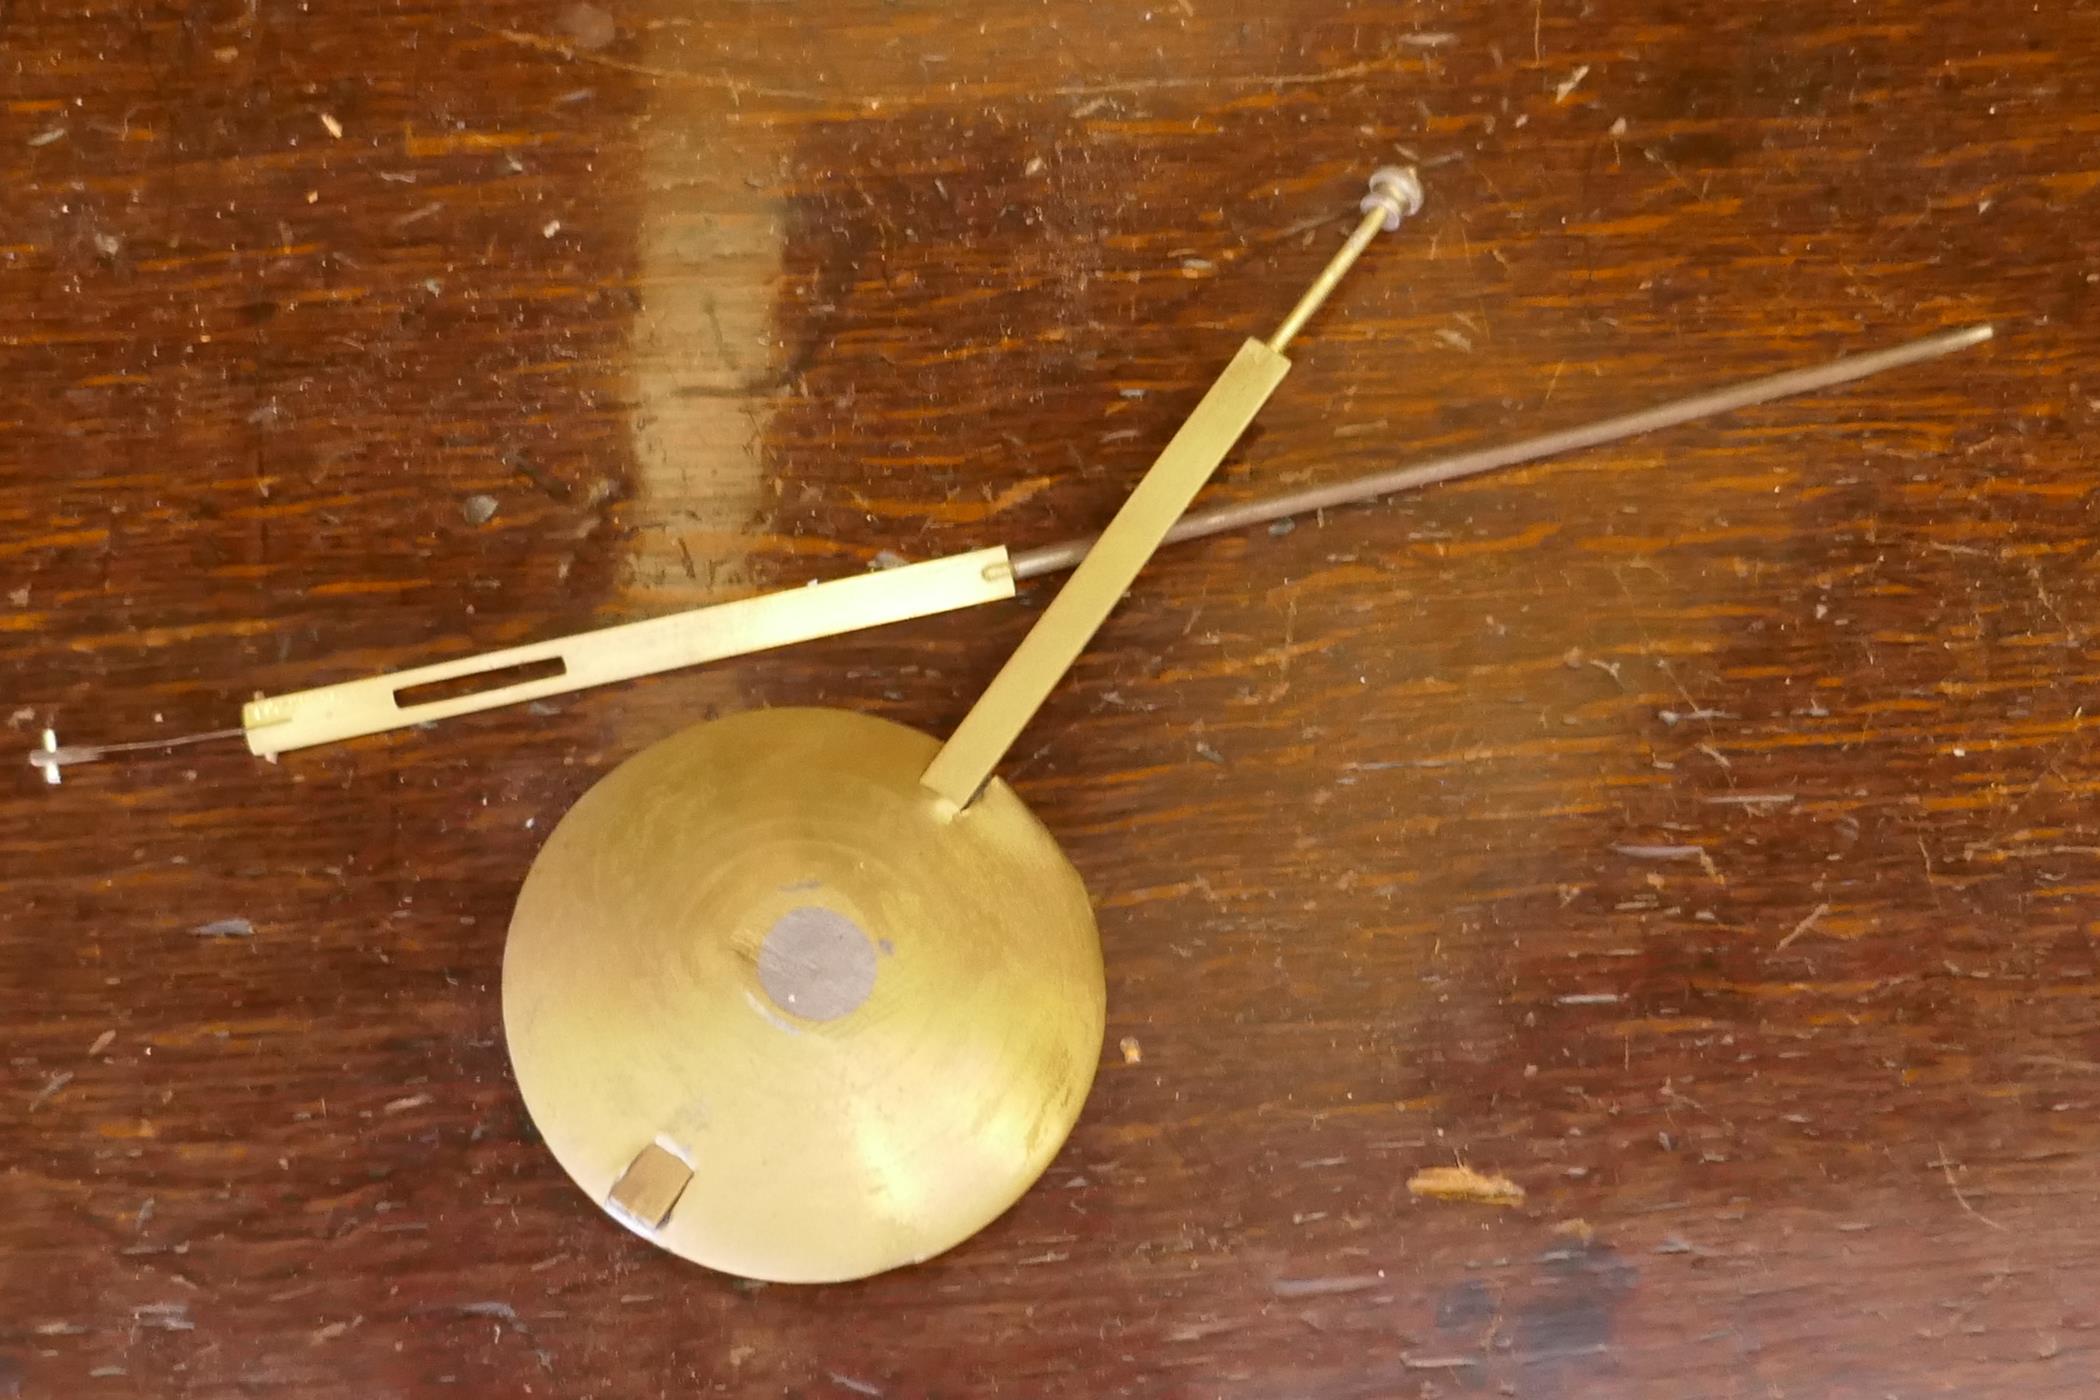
column 374, row 704
column 965, row 763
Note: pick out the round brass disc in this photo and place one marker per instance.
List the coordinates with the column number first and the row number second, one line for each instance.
column 760, row 948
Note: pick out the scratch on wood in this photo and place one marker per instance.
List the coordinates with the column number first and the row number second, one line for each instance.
column 1255, row 80
column 492, row 1308
column 1947, row 1168
column 1462, row 1183
column 1197, row 1331
column 1637, row 851
column 1325, row 1287
column 1804, row 926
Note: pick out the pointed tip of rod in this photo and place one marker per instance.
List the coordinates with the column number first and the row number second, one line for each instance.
column 1960, row 338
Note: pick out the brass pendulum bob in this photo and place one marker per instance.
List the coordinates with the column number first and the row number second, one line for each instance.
column 802, row 994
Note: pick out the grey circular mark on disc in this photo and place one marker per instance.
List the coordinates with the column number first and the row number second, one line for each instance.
column 816, row 964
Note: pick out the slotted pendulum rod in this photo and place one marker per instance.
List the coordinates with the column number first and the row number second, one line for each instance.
column 512, row 675
column 373, row 705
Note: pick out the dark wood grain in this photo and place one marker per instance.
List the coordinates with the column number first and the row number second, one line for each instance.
column 1699, row 833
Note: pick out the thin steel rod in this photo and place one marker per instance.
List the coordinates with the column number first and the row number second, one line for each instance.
column 1047, row 559
column 54, row 756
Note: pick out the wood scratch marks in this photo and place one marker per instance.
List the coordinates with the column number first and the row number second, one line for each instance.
column 1462, row 1183
column 543, row 43
column 1671, row 171
column 1553, row 383
column 1639, row 851
column 1947, row 1169
column 722, row 82
column 1328, row 75
column 1325, row 1287
column 1803, row 927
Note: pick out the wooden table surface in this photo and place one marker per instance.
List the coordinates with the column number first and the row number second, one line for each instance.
column 1697, row 832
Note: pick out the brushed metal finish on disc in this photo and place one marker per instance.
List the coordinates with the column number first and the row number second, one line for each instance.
column 760, row 949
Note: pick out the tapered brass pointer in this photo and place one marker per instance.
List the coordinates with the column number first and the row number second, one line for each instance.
column 802, row 994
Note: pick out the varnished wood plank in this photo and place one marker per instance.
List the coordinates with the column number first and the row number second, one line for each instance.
column 1695, row 833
